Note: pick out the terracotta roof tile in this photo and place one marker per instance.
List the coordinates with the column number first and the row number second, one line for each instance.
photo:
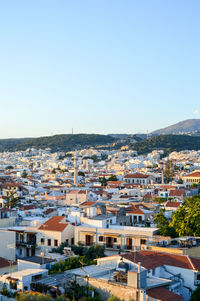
column 193, row 174
column 163, row 294
column 173, row 204
column 177, row 192
column 56, row 223
column 153, row 259
column 136, row 211
column 136, row 175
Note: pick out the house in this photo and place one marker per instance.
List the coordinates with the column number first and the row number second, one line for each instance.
column 115, row 236
column 179, row 194
column 25, row 240
column 76, row 197
column 172, row 205
column 22, row 280
column 192, row 178
column 138, row 178
column 7, row 245
column 55, row 231
column 7, row 217
column 152, row 271
column 35, row 262
column 7, row 266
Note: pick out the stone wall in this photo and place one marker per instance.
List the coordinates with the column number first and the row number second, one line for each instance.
column 106, row 289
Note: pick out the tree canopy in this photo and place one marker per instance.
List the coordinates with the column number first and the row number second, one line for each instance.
column 186, row 220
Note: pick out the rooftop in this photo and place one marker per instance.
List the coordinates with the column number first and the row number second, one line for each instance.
column 37, row 259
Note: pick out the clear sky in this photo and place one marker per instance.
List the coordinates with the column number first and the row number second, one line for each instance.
column 99, row 66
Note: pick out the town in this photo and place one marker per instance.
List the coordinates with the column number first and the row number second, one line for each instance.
column 98, row 224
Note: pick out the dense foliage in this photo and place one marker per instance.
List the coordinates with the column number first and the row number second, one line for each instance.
column 196, row 294
column 168, row 143
column 164, row 225
column 57, row 142
column 90, row 253
column 186, row 220
column 85, row 256
column 74, row 292
column 70, row 263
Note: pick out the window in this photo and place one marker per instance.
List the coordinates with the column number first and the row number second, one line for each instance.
column 55, row 243
column 100, row 238
column 49, row 242
column 72, row 241
column 67, row 241
column 42, row 241
column 143, row 241
column 114, row 239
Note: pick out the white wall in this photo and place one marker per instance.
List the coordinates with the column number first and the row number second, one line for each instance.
column 7, row 244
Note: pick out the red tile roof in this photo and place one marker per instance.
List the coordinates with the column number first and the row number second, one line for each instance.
column 136, row 175
column 28, row 207
column 135, row 212
column 163, row 294
column 173, row 204
column 56, row 223
column 87, row 204
column 193, row 175
column 78, row 192
column 153, row 259
column 177, row 192
column 4, row 263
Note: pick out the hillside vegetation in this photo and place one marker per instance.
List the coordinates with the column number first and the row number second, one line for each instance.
column 63, row 142
column 168, row 143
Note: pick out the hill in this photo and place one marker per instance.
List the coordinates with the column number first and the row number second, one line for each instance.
column 168, row 143
column 189, row 126
column 63, row 142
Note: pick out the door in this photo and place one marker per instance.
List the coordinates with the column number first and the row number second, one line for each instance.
column 109, row 242
column 88, row 240
column 129, row 243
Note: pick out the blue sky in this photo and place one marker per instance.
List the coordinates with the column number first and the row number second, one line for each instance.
column 99, row 66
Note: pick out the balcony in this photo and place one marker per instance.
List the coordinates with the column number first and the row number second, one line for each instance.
column 28, row 244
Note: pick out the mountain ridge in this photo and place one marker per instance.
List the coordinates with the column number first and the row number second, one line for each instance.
column 188, row 126
column 63, row 142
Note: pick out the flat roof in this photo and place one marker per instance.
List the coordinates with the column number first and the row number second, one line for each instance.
column 91, row 270
column 37, row 259
column 26, row 272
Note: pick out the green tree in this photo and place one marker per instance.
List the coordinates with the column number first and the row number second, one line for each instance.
column 164, row 226
column 168, row 171
column 24, row 174
column 113, row 298
column 9, row 167
column 103, row 181
column 80, row 173
column 186, row 220
column 196, row 294
column 112, row 178
column 180, row 181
